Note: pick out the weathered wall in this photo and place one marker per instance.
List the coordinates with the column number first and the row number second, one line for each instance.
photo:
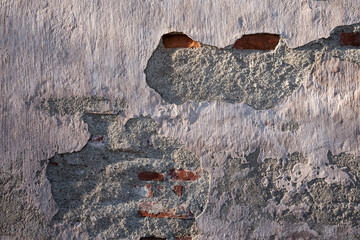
column 105, row 133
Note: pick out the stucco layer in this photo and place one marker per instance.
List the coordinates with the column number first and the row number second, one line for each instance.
column 62, row 59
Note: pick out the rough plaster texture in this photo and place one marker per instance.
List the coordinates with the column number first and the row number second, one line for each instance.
column 90, row 57
column 98, row 188
column 260, row 79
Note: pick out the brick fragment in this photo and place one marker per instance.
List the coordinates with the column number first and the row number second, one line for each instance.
column 178, row 190
column 184, row 175
column 149, row 190
column 179, row 41
column 184, row 238
column 350, row 39
column 259, row 41
column 98, row 139
column 150, row 176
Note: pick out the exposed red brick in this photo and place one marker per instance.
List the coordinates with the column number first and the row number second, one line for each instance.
column 54, row 163
column 152, row 238
column 179, row 41
column 350, row 39
column 178, row 190
column 260, row 41
column 150, row 176
column 184, row 175
column 156, row 210
column 166, row 214
column 184, row 238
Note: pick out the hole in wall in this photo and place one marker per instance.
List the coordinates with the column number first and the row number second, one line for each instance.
column 259, row 41
column 259, row 70
column 182, row 69
column 178, row 40
column 120, row 184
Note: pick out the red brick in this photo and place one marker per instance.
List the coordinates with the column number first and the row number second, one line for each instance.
column 179, row 41
column 184, row 238
column 165, row 214
column 260, row 41
column 178, row 190
column 350, row 39
column 184, row 175
column 157, row 210
column 150, row 176
column 54, row 163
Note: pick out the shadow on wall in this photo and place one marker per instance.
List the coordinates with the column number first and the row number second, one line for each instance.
column 259, row 69
column 128, row 184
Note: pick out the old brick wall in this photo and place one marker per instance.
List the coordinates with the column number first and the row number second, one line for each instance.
column 180, row 119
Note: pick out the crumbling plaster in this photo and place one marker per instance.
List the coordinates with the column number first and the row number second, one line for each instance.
column 64, row 49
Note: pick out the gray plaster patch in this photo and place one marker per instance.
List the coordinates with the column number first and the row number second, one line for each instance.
column 261, row 79
column 290, row 126
column 253, row 185
column 98, row 188
column 19, row 219
column 81, row 105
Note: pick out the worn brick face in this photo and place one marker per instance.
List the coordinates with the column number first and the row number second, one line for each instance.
column 150, row 176
column 184, row 175
column 99, row 138
column 261, row 41
column 350, row 39
column 179, row 41
column 178, row 190
column 150, row 192
column 184, row 238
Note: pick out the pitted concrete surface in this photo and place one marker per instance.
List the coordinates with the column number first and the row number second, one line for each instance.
column 261, row 79
column 98, row 188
